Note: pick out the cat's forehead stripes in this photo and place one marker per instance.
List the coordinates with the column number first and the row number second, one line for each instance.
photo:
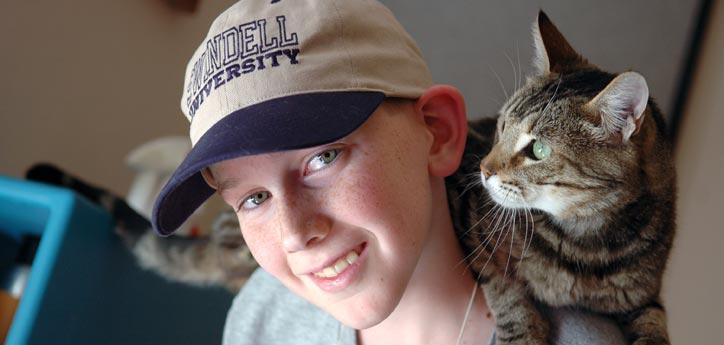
column 536, row 96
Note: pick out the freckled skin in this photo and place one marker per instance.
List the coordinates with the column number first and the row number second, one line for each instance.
column 385, row 192
column 362, row 197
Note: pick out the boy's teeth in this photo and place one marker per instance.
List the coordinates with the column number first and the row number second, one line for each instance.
column 328, row 272
column 351, row 257
column 338, row 267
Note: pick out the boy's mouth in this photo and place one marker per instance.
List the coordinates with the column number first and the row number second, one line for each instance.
column 340, row 264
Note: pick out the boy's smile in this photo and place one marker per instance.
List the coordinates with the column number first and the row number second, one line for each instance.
column 343, row 224
column 341, row 272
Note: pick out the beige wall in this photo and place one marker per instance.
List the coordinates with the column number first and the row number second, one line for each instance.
column 85, row 81
column 695, row 280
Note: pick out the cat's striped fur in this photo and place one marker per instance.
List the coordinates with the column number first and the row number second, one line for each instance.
column 220, row 258
column 217, row 258
column 590, row 226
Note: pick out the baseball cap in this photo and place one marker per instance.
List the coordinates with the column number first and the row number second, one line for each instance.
column 275, row 75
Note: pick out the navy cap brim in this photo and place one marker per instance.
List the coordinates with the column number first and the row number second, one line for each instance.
column 286, row 123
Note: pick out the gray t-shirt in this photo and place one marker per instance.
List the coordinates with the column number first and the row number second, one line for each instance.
column 265, row 312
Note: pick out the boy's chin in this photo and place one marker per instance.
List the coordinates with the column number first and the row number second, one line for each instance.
column 362, row 315
column 359, row 320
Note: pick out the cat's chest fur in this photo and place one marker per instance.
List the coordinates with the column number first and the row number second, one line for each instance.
column 610, row 273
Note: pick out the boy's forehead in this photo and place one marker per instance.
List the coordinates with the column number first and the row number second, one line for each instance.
column 237, row 82
column 375, row 125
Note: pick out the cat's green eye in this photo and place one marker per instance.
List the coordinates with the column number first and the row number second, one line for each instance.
column 541, row 151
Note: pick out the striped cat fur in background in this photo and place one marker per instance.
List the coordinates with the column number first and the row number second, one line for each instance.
column 577, row 207
column 217, row 258
column 220, row 258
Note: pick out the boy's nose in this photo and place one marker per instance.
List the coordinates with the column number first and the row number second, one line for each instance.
column 300, row 229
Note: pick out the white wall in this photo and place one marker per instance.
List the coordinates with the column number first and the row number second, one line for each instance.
column 85, row 81
column 695, row 280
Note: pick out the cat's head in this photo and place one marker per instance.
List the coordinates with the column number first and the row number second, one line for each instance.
column 566, row 141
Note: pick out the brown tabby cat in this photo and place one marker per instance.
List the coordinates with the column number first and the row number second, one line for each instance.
column 220, row 258
column 582, row 155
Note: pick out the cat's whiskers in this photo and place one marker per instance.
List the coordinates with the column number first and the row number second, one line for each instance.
column 512, row 240
column 497, row 241
column 506, row 224
column 496, row 209
column 500, row 81
column 532, row 231
column 479, row 249
column 515, row 73
column 498, row 102
column 525, row 239
column 520, row 71
column 469, row 230
column 552, row 97
column 499, row 216
column 488, row 202
column 484, row 244
column 475, row 181
column 497, row 244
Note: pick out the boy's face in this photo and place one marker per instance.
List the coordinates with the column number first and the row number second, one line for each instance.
column 365, row 199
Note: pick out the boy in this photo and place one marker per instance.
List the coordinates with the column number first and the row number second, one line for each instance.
column 318, row 122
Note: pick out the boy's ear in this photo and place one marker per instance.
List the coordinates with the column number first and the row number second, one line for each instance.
column 209, row 177
column 443, row 110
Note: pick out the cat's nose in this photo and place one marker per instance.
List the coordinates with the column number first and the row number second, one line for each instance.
column 485, row 170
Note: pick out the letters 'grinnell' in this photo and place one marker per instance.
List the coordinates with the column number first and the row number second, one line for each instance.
column 239, row 43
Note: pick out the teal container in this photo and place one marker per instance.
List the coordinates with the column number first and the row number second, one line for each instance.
column 85, row 287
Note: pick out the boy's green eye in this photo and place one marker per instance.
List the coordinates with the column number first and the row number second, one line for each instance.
column 254, row 200
column 322, row 160
column 328, row 156
column 541, row 151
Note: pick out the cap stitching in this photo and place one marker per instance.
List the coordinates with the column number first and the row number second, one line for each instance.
column 226, row 94
column 340, row 23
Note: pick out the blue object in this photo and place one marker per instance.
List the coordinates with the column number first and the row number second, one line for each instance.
column 85, row 287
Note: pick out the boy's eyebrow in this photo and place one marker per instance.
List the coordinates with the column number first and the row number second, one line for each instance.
column 227, row 184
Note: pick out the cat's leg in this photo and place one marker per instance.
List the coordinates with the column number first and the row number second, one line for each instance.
column 646, row 325
column 517, row 319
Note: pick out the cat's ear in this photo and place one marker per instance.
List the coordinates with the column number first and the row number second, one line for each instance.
column 552, row 52
column 621, row 106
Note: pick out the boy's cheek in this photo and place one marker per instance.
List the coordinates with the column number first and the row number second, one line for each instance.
column 264, row 249
column 272, row 261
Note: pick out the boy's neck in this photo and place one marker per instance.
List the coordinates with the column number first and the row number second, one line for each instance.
column 432, row 310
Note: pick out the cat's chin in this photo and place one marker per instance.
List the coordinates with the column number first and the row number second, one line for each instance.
column 504, row 196
column 580, row 226
column 507, row 201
